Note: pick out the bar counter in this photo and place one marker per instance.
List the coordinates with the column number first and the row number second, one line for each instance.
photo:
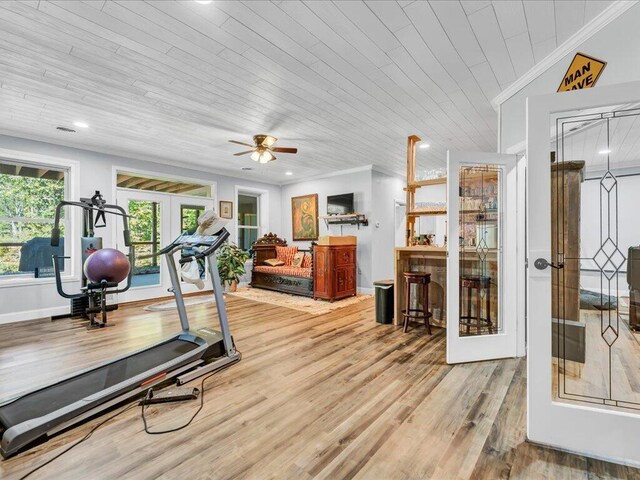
column 433, row 260
column 422, row 258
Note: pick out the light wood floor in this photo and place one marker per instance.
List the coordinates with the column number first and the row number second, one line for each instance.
column 579, row 381
column 332, row 396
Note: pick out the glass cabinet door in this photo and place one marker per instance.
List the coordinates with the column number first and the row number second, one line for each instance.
column 481, row 257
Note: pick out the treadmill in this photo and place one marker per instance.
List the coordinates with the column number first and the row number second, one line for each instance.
column 46, row 411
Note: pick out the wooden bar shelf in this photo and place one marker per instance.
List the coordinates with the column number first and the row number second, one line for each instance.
column 427, row 211
column 426, row 183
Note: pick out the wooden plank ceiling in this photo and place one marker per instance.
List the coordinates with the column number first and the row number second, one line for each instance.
column 598, row 141
column 343, row 81
column 138, row 182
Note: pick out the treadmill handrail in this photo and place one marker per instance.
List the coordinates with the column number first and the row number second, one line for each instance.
column 174, row 246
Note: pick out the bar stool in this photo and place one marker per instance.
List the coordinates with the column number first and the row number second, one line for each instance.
column 416, row 278
column 476, row 283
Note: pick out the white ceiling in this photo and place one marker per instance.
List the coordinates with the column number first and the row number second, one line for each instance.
column 587, row 138
column 343, row 81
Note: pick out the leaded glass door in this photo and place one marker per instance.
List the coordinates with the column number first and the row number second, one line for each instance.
column 481, row 256
column 584, row 344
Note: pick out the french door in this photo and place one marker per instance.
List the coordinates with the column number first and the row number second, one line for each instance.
column 584, row 345
column 481, row 256
column 156, row 219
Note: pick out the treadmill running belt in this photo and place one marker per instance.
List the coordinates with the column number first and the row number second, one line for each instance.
column 50, row 399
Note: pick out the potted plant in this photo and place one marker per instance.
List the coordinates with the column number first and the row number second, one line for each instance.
column 231, row 260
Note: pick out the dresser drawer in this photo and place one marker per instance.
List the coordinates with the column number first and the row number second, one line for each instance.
column 344, row 257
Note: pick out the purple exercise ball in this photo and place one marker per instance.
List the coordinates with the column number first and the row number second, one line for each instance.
column 107, row 264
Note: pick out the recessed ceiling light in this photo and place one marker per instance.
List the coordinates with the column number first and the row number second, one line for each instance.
column 204, row 2
column 81, row 124
column 288, row 173
column 65, row 129
column 424, row 145
column 604, row 152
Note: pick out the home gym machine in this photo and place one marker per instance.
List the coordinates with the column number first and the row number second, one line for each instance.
column 187, row 355
column 92, row 298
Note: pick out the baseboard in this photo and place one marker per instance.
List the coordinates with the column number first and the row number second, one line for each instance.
column 365, row 291
column 27, row 315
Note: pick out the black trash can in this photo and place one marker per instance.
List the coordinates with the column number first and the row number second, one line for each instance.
column 384, row 301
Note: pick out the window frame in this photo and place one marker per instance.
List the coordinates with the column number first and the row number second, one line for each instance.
column 71, row 218
column 263, row 210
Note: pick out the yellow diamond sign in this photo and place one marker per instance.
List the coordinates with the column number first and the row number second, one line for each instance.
column 583, row 72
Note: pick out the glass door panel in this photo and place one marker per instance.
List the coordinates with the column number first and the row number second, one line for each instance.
column 583, row 265
column 594, row 237
column 189, row 217
column 149, row 225
column 480, row 249
column 145, row 237
column 185, row 211
column 481, row 257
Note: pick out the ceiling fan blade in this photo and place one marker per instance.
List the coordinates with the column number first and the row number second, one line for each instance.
column 242, row 153
column 285, row 150
column 241, row 143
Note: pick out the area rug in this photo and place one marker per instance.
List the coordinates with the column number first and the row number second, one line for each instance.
column 171, row 304
column 295, row 302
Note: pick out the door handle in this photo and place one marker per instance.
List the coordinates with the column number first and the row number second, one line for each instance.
column 542, row 263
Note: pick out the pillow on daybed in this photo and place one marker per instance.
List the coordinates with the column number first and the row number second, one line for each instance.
column 286, row 254
column 273, row 262
column 297, row 259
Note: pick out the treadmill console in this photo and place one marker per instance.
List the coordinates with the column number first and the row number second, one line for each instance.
column 197, row 239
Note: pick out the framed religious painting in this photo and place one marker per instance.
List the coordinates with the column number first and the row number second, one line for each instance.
column 304, row 217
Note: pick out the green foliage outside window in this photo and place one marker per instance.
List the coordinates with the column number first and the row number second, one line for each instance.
column 141, row 225
column 23, row 199
column 189, row 215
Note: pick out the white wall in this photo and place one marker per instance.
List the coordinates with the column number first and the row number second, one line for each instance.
column 95, row 173
column 358, row 182
column 628, row 229
column 618, row 44
column 374, row 196
column 386, row 190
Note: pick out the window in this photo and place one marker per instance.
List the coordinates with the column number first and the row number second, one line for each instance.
column 29, row 194
column 189, row 217
column 164, row 185
column 144, row 226
column 248, row 219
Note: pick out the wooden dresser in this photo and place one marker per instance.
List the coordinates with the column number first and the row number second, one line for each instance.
column 334, row 272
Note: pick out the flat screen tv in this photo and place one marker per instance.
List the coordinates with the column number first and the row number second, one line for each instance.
column 340, row 204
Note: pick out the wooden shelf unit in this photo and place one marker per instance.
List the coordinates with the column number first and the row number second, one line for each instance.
column 426, row 183
column 414, row 212
column 427, row 211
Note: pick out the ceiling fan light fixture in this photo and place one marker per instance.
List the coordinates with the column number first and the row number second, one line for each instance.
column 266, row 157
column 262, row 150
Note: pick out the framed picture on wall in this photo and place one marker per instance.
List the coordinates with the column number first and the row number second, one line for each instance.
column 304, row 217
column 226, row 209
